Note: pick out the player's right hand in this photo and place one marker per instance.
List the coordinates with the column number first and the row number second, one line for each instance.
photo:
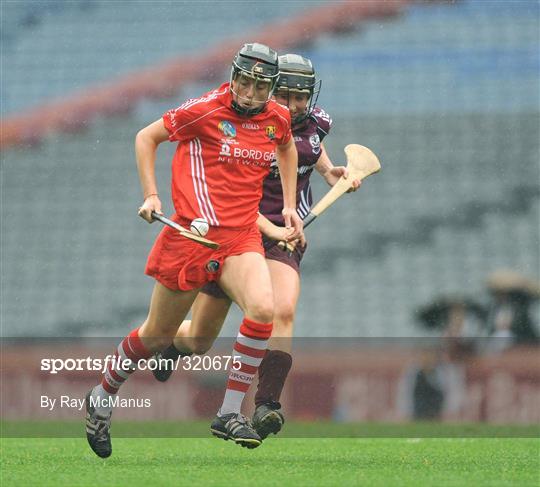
column 293, row 223
column 297, row 241
column 302, row 240
column 152, row 203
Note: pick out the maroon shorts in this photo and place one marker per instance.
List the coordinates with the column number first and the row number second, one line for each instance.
column 182, row 264
column 271, row 252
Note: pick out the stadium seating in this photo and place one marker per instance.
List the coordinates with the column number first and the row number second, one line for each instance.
column 446, row 95
column 70, row 48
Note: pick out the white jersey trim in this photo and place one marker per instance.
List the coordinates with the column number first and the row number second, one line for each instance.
column 304, row 201
column 302, row 210
column 322, row 130
column 202, row 99
column 205, row 187
column 302, row 213
column 197, row 119
column 199, row 182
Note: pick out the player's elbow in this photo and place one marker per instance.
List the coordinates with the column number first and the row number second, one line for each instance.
column 143, row 138
column 152, row 135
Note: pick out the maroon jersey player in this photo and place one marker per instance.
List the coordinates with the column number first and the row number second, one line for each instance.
column 297, row 89
column 308, row 136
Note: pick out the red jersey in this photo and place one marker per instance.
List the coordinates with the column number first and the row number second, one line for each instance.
column 222, row 158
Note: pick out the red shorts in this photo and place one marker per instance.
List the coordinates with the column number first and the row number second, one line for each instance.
column 272, row 252
column 181, row 264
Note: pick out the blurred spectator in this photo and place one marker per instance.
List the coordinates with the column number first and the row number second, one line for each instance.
column 459, row 319
column 509, row 320
column 432, row 389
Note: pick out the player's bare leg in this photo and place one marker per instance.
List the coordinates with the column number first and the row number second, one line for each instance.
column 208, row 316
column 286, row 286
column 167, row 310
column 246, row 279
column 277, row 362
column 196, row 335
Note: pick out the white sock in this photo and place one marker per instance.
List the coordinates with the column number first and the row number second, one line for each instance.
column 103, row 404
column 232, row 402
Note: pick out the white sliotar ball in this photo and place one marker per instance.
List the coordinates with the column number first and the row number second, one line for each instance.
column 199, row 226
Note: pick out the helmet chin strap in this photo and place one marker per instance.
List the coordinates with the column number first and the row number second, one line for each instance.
column 251, row 110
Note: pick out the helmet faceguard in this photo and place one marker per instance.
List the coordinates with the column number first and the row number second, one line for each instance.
column 296, row 74
column 259, row 64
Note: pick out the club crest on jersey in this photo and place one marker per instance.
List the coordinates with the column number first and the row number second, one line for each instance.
column 315, row 142
column 271, row 131
column 227, row 128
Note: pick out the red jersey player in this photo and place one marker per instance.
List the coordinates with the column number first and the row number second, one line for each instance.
column 227, row 140
column 297, row 89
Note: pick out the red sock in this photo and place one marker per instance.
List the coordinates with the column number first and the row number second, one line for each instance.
column 119, row 370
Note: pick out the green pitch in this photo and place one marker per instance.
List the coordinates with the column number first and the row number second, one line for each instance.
column 279, row 461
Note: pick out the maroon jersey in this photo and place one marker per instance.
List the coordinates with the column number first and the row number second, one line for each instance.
column 307, row 137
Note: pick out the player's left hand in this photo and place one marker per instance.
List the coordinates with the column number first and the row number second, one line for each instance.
column 301, row 241
column 333, row 176
column 277, row 233
column 291, row 245
column 293, row 223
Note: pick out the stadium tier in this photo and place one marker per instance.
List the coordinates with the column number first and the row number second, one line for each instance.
column 71, row 46
column 378, row 296
column 446, row 95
